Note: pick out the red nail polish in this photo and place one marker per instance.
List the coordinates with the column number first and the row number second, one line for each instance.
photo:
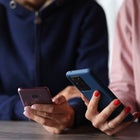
column 137, row 115
column 127, row 109
column 96, row 94
column 116, row 102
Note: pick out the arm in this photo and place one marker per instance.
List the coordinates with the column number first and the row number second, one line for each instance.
column 9, row 108
column 93, row 48
column 121, row 74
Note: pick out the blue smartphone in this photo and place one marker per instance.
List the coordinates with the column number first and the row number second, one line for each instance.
column 87, row 82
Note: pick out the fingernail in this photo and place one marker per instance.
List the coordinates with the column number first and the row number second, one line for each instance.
column 116, row 102
column 127, row 109
column 24, row 112
column 137, row 115
column 96, row 94
column 33, row 107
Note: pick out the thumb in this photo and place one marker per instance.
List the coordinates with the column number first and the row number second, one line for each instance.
column 59, row 99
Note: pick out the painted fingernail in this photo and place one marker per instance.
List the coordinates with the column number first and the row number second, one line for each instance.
column 137, row 115
column 127, row 109
column 33, row 107
column 116, row 102
column 96, row 94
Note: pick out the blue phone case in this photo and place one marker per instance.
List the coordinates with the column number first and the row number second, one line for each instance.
column 87, row 82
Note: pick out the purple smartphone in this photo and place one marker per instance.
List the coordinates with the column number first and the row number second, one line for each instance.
column 37, row 95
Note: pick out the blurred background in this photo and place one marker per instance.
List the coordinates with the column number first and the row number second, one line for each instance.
column 111, row 8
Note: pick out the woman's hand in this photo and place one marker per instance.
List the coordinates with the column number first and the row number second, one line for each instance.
column 100, row 119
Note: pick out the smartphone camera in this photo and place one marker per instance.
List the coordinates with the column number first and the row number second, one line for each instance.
column 80, row 83
column 34, row 96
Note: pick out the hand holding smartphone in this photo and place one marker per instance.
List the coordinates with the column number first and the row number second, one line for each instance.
column 87, row 82
column 37, row 95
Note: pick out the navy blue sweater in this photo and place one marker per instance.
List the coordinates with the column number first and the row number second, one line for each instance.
column 70, row 34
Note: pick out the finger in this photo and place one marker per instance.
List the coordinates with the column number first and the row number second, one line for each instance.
column 93, row 104
column 51, row 120
column 107, row 111
column 49, row 108
column 86, row 101
column 115, row 124
column 69, row 92
column 40, row 120
column 120, row 118
column 136, row 116
column 100, row 120
column 118, row 128
column 92, row 112
column 59, row 99
column 51, row 116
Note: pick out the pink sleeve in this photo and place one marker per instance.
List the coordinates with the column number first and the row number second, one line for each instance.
column 121, row 73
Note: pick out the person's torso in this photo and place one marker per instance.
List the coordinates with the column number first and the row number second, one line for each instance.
column 38, row 54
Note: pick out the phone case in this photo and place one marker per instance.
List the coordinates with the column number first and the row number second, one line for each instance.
column 38, row 95
column 87, row 82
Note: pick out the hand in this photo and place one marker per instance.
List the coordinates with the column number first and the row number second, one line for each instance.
column 100, row 119
column 69, row 92
column 53, row 117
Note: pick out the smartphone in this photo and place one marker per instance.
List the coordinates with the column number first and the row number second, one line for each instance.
column 37, row 95
column 87, row 82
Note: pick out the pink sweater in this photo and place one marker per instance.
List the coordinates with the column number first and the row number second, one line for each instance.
column 125, row 67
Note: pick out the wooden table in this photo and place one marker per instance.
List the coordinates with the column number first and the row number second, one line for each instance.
column 13, row 130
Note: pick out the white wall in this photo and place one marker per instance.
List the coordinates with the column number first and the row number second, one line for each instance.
column 111, row 8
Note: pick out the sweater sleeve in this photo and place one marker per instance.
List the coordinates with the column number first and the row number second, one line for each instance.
column 11, row 108
column 80, row 108
column 18, row 110
column 121, row 73
column 7, row 107
column 93, row 50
